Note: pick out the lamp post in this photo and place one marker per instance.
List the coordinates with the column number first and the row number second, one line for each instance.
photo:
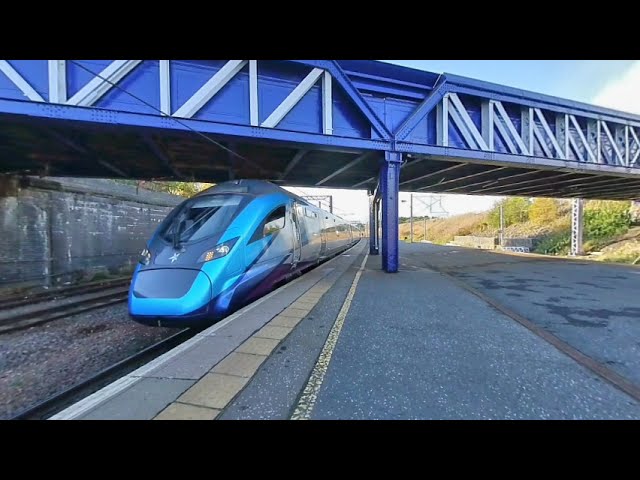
column 410, row 216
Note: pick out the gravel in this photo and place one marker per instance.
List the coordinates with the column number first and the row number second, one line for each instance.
column 44, row 360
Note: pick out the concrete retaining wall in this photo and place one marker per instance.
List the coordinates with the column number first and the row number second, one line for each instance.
column 519, row 242
column 475, row 242
column 490, row 243
column 55, row 230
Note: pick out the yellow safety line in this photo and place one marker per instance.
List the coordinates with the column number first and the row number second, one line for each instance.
column 310, row 395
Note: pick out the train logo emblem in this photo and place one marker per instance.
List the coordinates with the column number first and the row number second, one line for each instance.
column 174, row 257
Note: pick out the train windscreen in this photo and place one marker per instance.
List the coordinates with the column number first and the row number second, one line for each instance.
column 202, row 217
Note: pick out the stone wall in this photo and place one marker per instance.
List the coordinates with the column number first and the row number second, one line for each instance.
column 55, row 230
column 475, row 242
column 519, row 242
column 490, row 243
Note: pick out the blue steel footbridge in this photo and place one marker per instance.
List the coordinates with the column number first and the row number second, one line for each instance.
column 327, row 123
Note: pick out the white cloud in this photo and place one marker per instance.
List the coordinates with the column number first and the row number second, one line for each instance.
column 622, row 93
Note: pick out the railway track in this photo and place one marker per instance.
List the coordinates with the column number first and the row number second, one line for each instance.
column 29, row 298
column 60, row 401
column 64, row 399
column 14, row 317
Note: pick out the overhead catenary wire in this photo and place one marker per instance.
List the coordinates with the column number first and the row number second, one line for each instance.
column 300, row 192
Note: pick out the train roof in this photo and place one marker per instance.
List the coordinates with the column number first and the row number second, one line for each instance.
column 255, row 187
column 252, row 187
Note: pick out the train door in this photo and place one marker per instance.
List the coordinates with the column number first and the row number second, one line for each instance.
column 323, row 235
column 297, row 243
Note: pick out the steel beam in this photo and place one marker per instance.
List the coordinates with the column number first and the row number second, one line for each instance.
column 253, row 93
column 465, row 124
column 293, row 98
column 327, row 104
column 209, row 89
column 602, row 193
column 635, row 156
column 368, row 180
column 497, row 190
column 84, row 152
column 456, row 180
column 161, row 155
column 165, row 87
column 491, row 182
column 113, row 168
column 344, row 168
column 293, row 162
column 405, row 164
column 390, row 190
column 588, row 184
column 18, row 81
column 576, row 227
column 429, row 103
column 352, row 92
column 429, row 175
column 511, row 129
column 589, row 192
column 57, row 81
column 605, row 190
column 102, row 83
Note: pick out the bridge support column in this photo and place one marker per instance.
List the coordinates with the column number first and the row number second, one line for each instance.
column 373, row 225
column 576, row 227
column 389, row 193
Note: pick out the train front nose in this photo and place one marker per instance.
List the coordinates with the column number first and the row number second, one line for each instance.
column 172, row 295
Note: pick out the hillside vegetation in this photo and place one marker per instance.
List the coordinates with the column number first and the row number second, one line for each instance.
column 183, row 189
column 611, row 228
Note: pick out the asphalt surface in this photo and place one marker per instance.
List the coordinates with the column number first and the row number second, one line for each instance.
column 594, row 307
column 415, row 345
column 273, row 392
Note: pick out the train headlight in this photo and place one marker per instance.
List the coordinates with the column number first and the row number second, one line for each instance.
column 145, row 257
column 218, row 251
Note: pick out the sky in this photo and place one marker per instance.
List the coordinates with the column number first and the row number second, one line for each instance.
column 608, row 83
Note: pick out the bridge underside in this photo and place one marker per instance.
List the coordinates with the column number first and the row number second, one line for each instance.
column 313, row 123
column 64, row 148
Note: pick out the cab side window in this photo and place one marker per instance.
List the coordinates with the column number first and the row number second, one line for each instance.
column 274, row 222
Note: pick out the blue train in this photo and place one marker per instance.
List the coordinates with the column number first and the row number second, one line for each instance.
column 227, row 246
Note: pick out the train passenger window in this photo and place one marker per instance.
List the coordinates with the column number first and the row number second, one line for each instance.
column 275, row 221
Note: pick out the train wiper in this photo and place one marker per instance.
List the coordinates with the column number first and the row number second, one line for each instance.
column 176, row 237
column 176, row 231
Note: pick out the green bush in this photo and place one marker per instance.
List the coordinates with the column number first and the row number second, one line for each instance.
column 557, row 244
column 606, row 218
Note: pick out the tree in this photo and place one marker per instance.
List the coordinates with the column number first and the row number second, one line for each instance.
column 543, row 211
column 183, row 189
column 186, row 189
column 515, row 210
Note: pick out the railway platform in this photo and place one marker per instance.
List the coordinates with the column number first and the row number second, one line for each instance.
column 455, row 334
